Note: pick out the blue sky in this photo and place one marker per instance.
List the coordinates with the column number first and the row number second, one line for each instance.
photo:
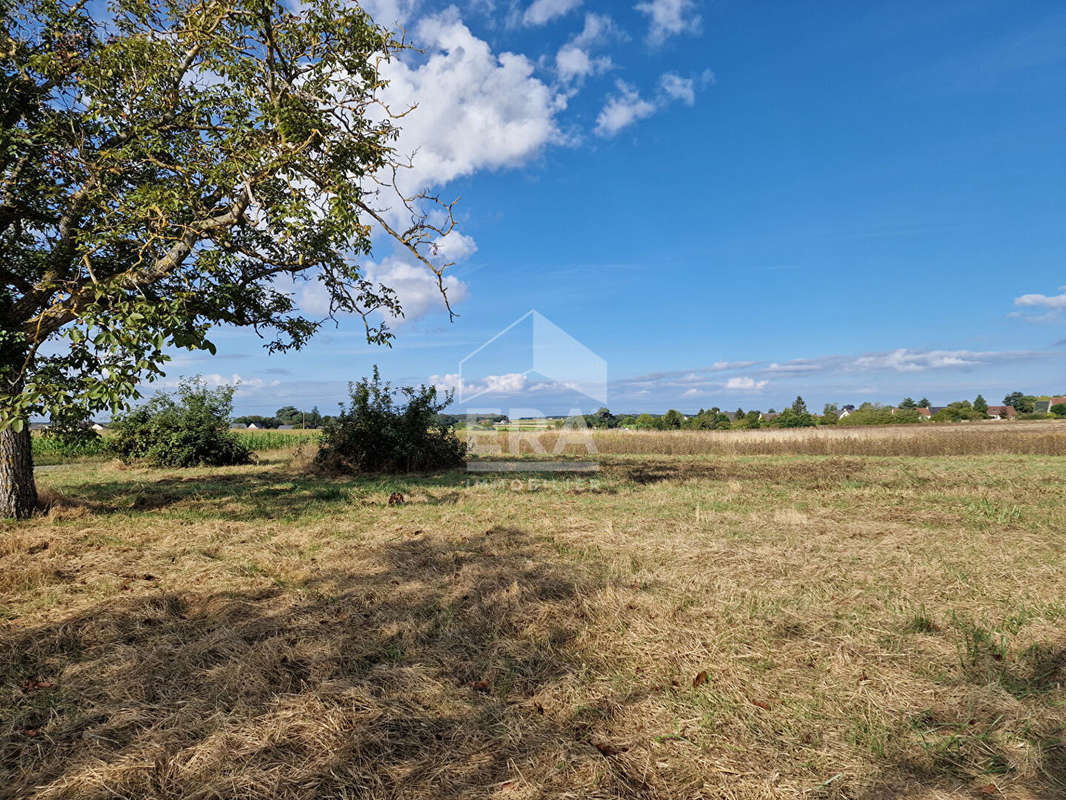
column 731, row 203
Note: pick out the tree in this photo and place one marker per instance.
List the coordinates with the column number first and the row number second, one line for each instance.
column 672, row 419
column 1058, row 410
column 647, row 422
column 831, row 413
column 980, row 405
column 169, row 166
column 1022, row 403
column 924, row 403
column 289, row 415
column 798, row 406
column 908, row 402
column 603, row 418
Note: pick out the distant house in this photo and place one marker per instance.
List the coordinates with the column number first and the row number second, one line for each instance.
column 846, row 411
column 38, row 426
column 252, row 426
column 769, row 417
column 925, row 413
column 1002, row 412
column 934, row 410
column 96, row 426
column 1044, row 406
column 284, row 427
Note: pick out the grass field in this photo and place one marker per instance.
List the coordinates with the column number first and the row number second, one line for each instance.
column 679, row 626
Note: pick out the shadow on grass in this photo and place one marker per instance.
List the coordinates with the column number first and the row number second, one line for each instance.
column 428, row 670
column 264, row 494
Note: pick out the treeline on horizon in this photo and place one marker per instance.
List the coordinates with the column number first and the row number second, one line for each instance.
column 795, row 416
column 798, row 416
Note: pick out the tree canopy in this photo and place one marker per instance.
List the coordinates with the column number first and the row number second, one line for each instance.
column 171, row 166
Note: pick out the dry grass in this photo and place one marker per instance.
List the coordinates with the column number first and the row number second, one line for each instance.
column 679, row 627
column 1047, row 438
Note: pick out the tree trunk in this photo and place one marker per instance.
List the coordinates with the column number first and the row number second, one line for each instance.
column 18, row 491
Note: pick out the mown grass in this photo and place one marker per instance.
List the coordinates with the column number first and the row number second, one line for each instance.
column 49, row 451
column 674, row 627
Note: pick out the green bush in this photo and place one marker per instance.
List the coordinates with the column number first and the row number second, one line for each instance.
column 189, row 430
column 873, row 415
column 1058, row 410
column 377, row 434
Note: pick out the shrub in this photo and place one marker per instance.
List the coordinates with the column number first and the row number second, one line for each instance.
column 1058, row 410
column 189, row 430
column 377, row 434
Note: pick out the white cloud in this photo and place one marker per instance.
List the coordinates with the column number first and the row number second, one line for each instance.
column 572, row 63
column 476, row 109
column 575, row 61
column 622, row 110
column 390, row 13
column 677, row 88
column 903, row 360
column 1057, row 301
column 415, row 286
column 455, row 246
column 668, row 18
column 543, row 11
column 744, row 384
column 627, row 106
column 509, row 383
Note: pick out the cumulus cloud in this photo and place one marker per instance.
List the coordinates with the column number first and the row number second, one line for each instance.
column 1057, row 301
column 476, row 109
column 627, row 106
column 574, row 62
column 622, row 110
column 390, row 13
column 744, row 385
column 677, row 88
column 509, row 383
column 415, row 286
column 668, row 18
column 544, row 11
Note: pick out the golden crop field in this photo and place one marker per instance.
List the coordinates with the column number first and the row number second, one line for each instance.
column 694, row 621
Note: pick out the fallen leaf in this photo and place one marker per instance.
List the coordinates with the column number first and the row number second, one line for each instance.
column 863, row 678
column 763, row 705
column 607, row 749
column 32, row 684
column 989, row 789
column 700, row 679
column 480, row 686
column 149, row 576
